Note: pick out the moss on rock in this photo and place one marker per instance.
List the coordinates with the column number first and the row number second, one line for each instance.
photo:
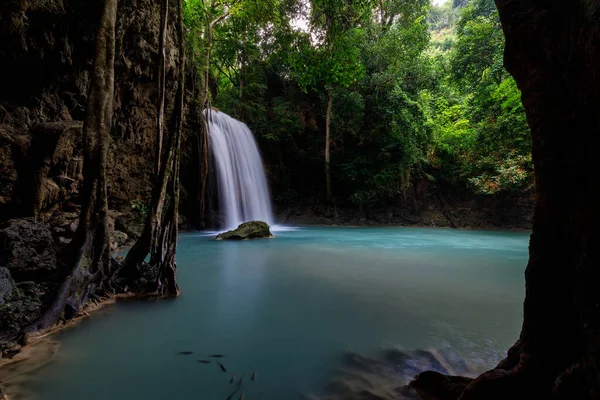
column 247, row 230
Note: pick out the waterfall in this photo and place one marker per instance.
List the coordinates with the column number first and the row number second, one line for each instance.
column 242, row 185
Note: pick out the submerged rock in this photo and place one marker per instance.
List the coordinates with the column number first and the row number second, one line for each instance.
column 247, row 230
column 387, row 377
column 434, row 385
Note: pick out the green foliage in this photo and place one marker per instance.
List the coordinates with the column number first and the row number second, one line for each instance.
column 138, row 205
column 477, row 55
column 442, row 17
column 480, row 130
column 419, row 92
column 334, row 60
column 287, row 196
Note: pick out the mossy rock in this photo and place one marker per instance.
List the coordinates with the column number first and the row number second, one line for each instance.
column 247, row 230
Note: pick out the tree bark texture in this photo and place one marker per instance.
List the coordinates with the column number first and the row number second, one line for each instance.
column 203, row 134
column 204, row 167
column 168, row 272
column 553, row 52
column 87, row 266
column 202, row 140
column 327, row 145
column 161, row 84
column 159, row 237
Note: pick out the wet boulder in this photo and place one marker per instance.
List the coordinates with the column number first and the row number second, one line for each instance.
column 247, row 230
column 434, row 385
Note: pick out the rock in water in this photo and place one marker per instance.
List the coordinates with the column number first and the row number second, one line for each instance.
column 247, row 230
column 433, row 385
column 386, row 377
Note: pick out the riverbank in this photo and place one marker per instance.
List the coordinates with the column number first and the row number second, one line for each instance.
column 478, row 212
column 30, row 359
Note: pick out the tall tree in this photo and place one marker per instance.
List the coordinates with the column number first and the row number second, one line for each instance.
column 334, row 60
column 162, row 74
column 202, row 18
column 86, row 266
column 159, row 237
column 170, row 226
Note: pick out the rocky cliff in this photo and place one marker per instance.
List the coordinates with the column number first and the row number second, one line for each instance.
column 47, row 49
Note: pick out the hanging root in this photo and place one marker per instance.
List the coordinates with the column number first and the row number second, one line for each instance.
column 66, row 304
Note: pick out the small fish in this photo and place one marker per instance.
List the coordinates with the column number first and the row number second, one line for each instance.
column 239, row 383
column 185, row 353
column 217, row 355
column 222, row 367
column 233, row 394
column 232, row 380
column 253, row 376
column 204, row 361
column 242, row 396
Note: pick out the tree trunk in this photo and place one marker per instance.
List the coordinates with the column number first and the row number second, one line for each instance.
column 203, row 134
column 159, row 237
column 327, row 145
column 242, row 83
column 553, row 52
column 161, row 85
column 204, row 166
column 168, row 272
column 148, row 241
column 242, row 73
column 86, row 264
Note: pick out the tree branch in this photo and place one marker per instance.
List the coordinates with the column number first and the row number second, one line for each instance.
column 219, row 19
column 225, row 73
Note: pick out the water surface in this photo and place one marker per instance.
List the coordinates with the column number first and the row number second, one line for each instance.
column 289, row 307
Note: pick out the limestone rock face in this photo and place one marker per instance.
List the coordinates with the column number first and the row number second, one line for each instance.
column 47, row 48
column 27, row 249
column 7, row 285
column 247, row 230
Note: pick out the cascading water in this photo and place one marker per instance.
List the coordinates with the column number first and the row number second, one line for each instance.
column 241, row 181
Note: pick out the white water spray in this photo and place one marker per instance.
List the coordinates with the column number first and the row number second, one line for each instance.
column 242, row 184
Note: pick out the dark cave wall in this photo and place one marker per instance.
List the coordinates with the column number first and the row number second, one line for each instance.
column 553, row 51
